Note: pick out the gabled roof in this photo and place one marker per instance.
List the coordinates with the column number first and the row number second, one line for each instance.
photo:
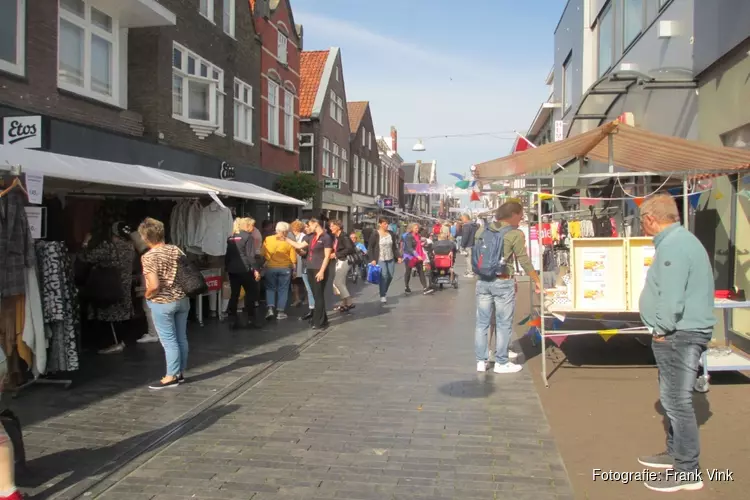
column 272, row 6
column 312, row 66
column 356, row 114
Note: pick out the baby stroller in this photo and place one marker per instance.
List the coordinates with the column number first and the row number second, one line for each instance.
column 441, row 262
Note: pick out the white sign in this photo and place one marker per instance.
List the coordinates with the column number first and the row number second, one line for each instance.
column 35, row 218
column 35, row 187
column 559, row 130
column 23, row 131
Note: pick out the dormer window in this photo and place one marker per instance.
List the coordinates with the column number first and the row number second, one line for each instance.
column 281, row 51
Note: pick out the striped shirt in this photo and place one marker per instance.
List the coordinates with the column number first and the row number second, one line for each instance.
column 162, row 261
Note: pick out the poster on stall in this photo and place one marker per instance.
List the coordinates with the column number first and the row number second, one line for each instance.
column 534, row 253
column 594, row 277
column 648, row 259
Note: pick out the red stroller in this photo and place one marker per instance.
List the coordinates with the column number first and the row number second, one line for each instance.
column 442, row 269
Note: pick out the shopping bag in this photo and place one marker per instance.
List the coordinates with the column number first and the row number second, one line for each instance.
column 373, row 274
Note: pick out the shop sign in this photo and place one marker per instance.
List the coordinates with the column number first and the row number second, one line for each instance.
column 23, row 131
column 545, row 234
column 332, row 184
column 559, row 130
column 226, row 172
column 213, row 280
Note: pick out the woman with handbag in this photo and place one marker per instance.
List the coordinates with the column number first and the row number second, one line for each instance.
column 168, row 302
column 343, row 250
column 318, row 247
column 415, row 257
column 383, row 251
column 108, row 281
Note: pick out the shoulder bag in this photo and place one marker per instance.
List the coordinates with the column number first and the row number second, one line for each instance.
column 189, row 278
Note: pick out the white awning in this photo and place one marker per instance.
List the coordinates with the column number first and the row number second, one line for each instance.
column 85, row 175
column 238, row 189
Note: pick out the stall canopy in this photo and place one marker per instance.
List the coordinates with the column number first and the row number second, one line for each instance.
column 633, row 149
column 85, row 175
column 238, row 189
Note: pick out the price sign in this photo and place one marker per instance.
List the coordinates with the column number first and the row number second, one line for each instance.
column 213, row 280
column 35, row 187
column 35, row 218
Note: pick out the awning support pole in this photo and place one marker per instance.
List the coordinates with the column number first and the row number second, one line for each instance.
column 611, row 152
column 541, row 280
column 685, row 203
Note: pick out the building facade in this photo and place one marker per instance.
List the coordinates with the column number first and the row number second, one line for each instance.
column 366, row 176
column 169, row 84
column 324, row 136
column 391, row 163
column 421, row 173
column 281, row 41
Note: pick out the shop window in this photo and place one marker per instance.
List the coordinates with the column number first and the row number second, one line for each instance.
column 13, row 36
column 273, row 113
column 228, row 14
column 288, row 120
column 206, row 8
column 632, row 20
column 326, row 158
column 243, row 112
column 282, row 45
column 87, row 51
column 197, row 90
column 606, row 34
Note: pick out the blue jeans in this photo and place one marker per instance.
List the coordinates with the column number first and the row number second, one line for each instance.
column 677, row 358
column 501, row 293
column 310, row 296
column 170, row 321
column 277, row 282
column 387, row 270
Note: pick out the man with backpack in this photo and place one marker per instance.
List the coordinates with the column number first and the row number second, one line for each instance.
column 491, row 260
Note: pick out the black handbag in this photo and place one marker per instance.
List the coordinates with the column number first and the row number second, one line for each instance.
column 189, row 278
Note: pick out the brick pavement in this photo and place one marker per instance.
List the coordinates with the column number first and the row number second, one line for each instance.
column 384, row 406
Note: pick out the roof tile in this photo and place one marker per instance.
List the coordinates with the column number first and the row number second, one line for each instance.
column 356, row 113
column 312, row 64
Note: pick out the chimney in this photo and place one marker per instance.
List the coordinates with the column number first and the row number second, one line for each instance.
column 394, row 139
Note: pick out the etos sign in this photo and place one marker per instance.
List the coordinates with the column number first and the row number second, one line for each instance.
column 23, row 131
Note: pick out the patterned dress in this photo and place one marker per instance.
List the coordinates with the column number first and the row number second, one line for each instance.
column 121, row 254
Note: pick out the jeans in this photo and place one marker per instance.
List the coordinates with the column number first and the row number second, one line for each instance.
column 339, row 278
column 501, row 293
column 320, row 317
column 310, row 296
column 677, row 358
column 458, row 241
column 170, row 321
column 387, row 270
column 420, row 272
column 469, row 270
column 247, row 281
column 277, row 283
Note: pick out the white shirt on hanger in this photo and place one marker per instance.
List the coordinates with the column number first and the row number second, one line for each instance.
column 214, row 228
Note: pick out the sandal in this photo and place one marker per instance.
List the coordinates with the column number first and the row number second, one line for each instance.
column 340, row 308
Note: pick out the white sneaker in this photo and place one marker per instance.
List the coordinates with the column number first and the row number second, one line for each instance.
column 383, row 300
column 149, row 337
column 281, row 316
column 508, row 368
column 482, row 366
column 512, row 354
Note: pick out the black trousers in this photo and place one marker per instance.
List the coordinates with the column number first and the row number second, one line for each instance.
column 320, row 317
column 420, row 271
column 246, row 281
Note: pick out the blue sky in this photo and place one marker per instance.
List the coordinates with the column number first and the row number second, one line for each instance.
column 439, row 67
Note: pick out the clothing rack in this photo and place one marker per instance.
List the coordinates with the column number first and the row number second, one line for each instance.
column 17, row 171
column 581, row 212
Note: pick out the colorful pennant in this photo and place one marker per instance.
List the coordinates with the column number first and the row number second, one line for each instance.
column 524, row 320
column 718, row 196
column 463, row 184
column 607, row 334
column 558, row 339
column 588, row 202
column 556, row 324
column 613, row 325
column 638, row 201
column 559, row 316
column 745, row 193
column 458, row 176
column 694, row 199
column 474, row 196
column 537, row 322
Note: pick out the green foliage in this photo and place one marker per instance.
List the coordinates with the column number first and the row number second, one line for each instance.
column 298, row 185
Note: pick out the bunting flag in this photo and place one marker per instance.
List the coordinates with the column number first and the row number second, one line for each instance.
column 607, row 334
column 588, row 202
column 745, row 193
column 558, row 339
column 694, row 199
column 524, row 320
column 638, row 201
column 705, row 184
column 674, row 191
column 544, row 196
column 458, row 176
column 718, row 195
column 537, row 322
column 559, row 316
column 474, row 196
column 463, row 184
column 613, row 325
column 532, row 332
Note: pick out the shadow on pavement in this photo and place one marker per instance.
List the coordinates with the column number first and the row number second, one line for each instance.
column 480, row 387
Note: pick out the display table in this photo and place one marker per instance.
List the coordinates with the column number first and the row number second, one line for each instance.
column 723, row 359
column 214, row 280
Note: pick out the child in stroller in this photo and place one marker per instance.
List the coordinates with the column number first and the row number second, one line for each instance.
column 357, row 262
column 442, row 257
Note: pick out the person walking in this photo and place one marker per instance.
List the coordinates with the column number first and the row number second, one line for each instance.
column 414, row 258
column 383, row 251
column 281, row 259
column 343, row 249
column 243, row 271
column 677, row 306
column 168, row 303
column 468, row 232
column 493, row 250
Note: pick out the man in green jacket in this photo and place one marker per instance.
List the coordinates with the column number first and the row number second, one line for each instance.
column 676, row 305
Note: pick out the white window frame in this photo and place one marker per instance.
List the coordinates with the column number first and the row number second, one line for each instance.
column 272, row 99
column 206, row 9
column 335, row 162
column 216, row 88
column 288, row 120
column 355, row 173
column 282, row 48
column 332, row 104
column 344, row 165
column 363, row 174
column 369, row 141
column 229, row 17
column 19, row 67
column 606, row 20
column 370, row 178
column 326, row 158
column 89, row 29
column 364, row 137
column 338, row 76
column 248, row 113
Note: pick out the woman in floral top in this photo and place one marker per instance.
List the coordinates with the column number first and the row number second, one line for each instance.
column 168, row 303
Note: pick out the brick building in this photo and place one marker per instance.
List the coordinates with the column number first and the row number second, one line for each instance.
column 281, row 42
column 366, row 171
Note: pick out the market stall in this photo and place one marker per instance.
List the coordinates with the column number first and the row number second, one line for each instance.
column 606, row 272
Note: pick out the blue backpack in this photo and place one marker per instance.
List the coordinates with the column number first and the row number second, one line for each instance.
column 487, row 259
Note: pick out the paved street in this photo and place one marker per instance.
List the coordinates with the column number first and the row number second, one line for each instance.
column 385, row 404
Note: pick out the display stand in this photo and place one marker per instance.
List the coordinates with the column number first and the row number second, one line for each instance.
column 214, row 281
column 597, row 265
column 724, row 359
column 641, row 252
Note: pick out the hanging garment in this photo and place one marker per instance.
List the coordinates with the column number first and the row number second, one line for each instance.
column 214, row 229
column 575, row 229
column 120, row 255
column 33, row 327
column 614, row 227
column 16, row 244
column 11, row 327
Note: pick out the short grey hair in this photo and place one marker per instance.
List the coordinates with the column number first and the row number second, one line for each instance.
column 282, row 227
column 661, row 207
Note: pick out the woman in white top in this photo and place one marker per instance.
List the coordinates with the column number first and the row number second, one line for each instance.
column 298, row 234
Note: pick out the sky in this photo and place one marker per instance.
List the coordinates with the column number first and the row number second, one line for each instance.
column 440, row 67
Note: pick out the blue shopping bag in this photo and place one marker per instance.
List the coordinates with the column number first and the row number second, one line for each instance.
column 373, row 274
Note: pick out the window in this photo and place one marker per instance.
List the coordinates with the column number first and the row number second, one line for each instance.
column 567, row 84
column 369, row 141
column 605, row 29
column 370, row 178
column 336, row 107
column 363, row 175
column 325, row 168
column 229, row 17
column 335, row 162
column 87, row 47
column 281, row 52
column 364, row 137
column 206, row 8
column 273, row 113
column 632, row 20
column 355, row 173
column 197, row 89
column 13, row 38
column 344, row 165
column 243, row 112
column 289, row 120
column 338, row 76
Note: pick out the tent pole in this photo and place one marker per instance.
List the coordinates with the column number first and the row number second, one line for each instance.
column 685, row 203
column 541, row 280
column 611, row 152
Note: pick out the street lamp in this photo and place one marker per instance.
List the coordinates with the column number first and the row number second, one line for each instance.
column 419, row 147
